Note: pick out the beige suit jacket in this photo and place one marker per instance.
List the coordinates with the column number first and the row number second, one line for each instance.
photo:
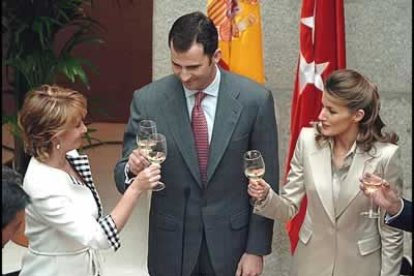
column 335, row 240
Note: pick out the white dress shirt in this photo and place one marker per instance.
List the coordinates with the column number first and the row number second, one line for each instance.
column 209, row 103
column 339, row 174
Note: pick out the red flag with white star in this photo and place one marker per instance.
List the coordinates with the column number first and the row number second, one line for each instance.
column 322, row 50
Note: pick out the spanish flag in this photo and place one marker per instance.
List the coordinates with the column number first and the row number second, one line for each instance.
column 240, row 36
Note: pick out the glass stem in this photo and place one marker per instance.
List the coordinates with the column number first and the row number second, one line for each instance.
column 371, row 206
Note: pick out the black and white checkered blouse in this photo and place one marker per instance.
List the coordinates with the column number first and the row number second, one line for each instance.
column 81, row 164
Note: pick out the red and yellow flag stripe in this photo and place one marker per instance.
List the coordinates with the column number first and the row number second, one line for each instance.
column 240, row 35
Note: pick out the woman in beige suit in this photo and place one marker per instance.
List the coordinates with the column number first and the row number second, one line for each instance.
column 335, row 240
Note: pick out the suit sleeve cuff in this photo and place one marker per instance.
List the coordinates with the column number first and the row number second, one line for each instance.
column 128, row 178
column 389, row 218
column 111, row 232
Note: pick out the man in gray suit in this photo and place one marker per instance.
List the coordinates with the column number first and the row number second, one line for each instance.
column 202, row 222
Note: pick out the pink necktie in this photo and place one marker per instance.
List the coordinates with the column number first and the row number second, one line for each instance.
column 200, row 132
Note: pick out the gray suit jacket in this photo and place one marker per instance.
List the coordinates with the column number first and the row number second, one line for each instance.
column 244, row 120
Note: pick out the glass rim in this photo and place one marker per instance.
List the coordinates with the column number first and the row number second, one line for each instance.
column 151, row 123
column 252, row 154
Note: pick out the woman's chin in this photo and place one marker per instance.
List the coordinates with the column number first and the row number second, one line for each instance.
column 326, row 132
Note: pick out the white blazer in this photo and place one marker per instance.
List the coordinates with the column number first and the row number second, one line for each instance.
column 334, row 239
column 64, row 222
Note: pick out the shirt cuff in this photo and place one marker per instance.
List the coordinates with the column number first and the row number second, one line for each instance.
column 111, row 232
column 128, row 179
column 389, row 218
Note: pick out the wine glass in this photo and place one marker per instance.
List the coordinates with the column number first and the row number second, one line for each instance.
column 157, row 154
column 145, row 129
column 254, row 167
column 372, row 184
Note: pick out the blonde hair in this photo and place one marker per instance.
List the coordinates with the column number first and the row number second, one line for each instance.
column 47, row 111
column 356, row 92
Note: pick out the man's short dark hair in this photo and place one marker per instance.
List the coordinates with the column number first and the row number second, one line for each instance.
column 14, row 198
column 193, row 28
column 10, row 175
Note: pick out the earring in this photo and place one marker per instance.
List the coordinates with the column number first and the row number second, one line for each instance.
column 58, row 146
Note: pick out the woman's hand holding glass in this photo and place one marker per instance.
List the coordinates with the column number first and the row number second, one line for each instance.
column 254, row 167
column 147, row 179
column 258, row 189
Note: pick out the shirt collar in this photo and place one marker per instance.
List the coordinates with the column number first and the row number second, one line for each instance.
column 211, row 90
column 351, row 151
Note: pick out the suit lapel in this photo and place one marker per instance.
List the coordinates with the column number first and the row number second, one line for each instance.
column 320, row 162
column 227, row 114
column 176, row 114
column 81, row 164
column 350, row 186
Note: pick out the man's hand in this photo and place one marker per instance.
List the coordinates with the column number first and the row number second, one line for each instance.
column 137, row 162
column 386, row 197
column 250, row 265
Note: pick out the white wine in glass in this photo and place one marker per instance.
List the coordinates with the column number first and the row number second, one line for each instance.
column 254, row 167
column 145, row 146
column 157, row 154
column 372, row 183
column 156, row 157
column 145, row 129
column 254, row 174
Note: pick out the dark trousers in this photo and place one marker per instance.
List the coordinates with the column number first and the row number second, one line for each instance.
column 203, row 266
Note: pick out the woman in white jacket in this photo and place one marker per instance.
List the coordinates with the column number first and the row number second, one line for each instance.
column 65, row 224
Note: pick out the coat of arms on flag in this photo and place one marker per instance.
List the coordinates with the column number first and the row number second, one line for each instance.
column 240, row 37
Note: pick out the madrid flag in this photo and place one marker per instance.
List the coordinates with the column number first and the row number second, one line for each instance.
column 322, row 50
column 240, row 36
